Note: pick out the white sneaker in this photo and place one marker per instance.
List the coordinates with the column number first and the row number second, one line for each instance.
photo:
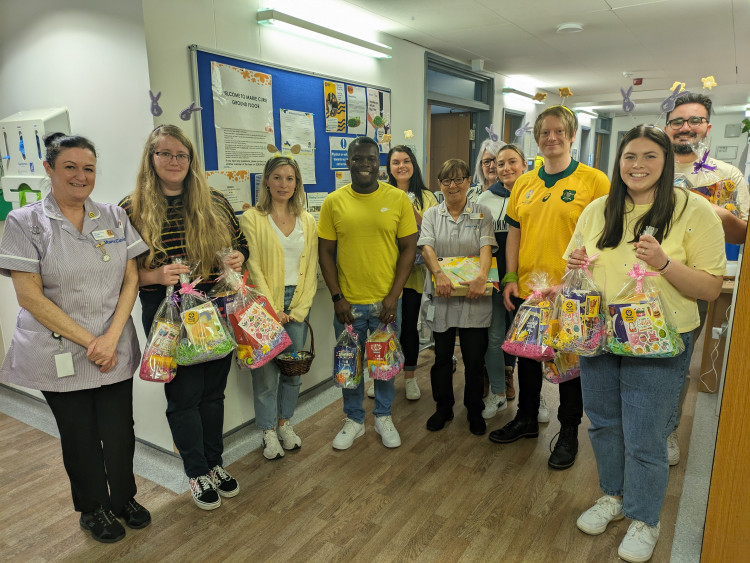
column 271, row 447
column 371, row 389
column 289, row 438
column 638, row 544
column 543, row 414
column 346, row 436
column 673, row 448
column 493, row 404
column 389, row 434
column 595, row 520
column 412, row 389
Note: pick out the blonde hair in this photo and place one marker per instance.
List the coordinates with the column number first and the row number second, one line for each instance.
column 566, row 117
column 297, row 202
column 205, row 231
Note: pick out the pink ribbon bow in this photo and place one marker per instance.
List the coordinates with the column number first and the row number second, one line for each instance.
column 587, row 262
column 189, row 288
column 637, row 272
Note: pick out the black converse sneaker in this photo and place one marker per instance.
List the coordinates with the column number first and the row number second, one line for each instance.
column 226, row 485
column 204, row 492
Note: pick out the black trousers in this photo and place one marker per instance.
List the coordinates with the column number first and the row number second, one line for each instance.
column 473, row 348
column 410, row 304
column 195, row 406
column 530, row 379
column 98, row 443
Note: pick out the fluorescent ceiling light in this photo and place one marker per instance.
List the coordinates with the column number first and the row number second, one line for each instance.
column 310, row 30
column 507, row 90
column 587, row 112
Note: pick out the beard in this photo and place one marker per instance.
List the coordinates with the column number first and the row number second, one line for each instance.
column 682, row 149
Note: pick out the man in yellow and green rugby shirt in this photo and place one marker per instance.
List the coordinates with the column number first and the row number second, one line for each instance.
column 542, row 213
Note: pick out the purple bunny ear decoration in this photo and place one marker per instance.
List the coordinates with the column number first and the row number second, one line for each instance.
column 627, row 103
column 493, row 136
column 525, row 129
column 156, row 111
column 187, row 113
column 699, row 165
column 668, row 104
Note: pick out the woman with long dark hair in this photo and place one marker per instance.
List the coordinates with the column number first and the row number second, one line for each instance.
column 632, row 401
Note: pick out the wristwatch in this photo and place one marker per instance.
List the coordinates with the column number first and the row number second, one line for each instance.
column 337, row 297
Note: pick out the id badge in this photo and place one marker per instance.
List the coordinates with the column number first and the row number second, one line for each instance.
column 64, row 364
column 104, row 234
column 430, row 316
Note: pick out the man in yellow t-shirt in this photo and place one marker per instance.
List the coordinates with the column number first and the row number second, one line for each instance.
column 541, row 215
column 367, row 242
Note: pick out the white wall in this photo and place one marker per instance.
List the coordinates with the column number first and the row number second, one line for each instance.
column 100, row 59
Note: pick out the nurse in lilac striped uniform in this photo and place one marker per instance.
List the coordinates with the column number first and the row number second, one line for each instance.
column 72, row 262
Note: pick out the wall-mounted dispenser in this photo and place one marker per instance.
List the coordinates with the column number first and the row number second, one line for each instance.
column 22, row 154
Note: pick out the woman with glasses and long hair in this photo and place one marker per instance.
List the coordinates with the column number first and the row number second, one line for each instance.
column 632, row 401
column 179, row 216
column 405, row 174
column 511, row 163
column 457, row 228
column 485, row 169
column 284, row 268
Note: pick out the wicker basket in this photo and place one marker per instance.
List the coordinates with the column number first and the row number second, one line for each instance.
column 298, row 366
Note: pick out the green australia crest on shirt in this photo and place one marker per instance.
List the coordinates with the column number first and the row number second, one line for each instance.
column 568, row 195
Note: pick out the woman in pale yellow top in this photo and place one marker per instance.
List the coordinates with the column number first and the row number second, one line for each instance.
column 404, row 173
column 283, row 266
column 631, row 402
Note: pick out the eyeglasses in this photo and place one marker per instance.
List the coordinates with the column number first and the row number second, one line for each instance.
column 181, row 158
column 694, row 121
column 458, row 181
column 487, row 162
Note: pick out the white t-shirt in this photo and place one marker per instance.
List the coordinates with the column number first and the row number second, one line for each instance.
column 293, row 246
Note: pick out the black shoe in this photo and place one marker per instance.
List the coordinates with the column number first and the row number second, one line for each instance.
column 564, row 454
column 477, row 425
column 135, row 516
column 226, row 485
column 103, row 525
column 514, row 430
column 438, row 421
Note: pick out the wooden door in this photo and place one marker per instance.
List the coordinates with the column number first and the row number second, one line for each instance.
column 725, row 536
column 449, row 138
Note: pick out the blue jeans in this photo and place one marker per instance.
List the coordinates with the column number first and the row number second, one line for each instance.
column 366, row 319
column 494, row 359
column 275, row 395
column 632, row 406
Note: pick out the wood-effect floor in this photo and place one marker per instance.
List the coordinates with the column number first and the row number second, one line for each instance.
column 445, row 496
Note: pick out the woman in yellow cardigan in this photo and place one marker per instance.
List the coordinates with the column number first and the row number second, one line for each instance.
column 283, row 265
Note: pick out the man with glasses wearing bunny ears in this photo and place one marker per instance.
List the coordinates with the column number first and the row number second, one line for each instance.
column 688, row 125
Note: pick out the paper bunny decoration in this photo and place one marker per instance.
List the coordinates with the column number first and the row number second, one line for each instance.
column 668, row 104
column 187, row 113
column 493, row 136
column 627, row 103
column 156, row 110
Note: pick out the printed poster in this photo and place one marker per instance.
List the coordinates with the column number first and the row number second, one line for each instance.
column 297, row 129
column 234, row 184
column 378, row 116
column 342, row 178
column 339, row 152
column 356, row 110
column 243, row 116
column 315, row 202
column 335, row 104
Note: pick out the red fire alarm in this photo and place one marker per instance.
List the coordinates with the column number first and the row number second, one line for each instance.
column 637, row 81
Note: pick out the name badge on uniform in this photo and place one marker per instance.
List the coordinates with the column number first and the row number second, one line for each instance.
column 63, row 360
column 103, row 234
column 476, row 216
